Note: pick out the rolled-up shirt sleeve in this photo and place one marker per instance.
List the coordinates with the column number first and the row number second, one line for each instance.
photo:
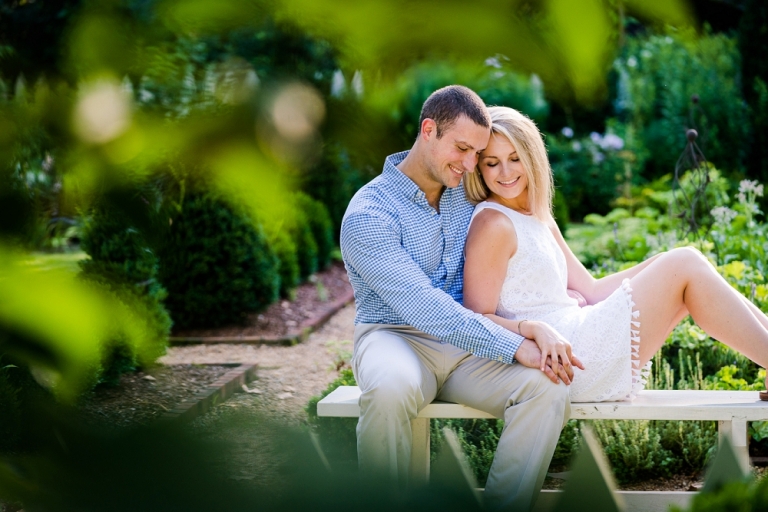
column 372, row 250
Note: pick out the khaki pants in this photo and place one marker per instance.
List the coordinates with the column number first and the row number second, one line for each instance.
column 400, row 370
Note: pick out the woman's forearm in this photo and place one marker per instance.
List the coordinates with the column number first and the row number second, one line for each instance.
column 510, row 325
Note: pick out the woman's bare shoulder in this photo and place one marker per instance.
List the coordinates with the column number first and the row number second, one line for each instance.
column 491, row 221
column 492, row 231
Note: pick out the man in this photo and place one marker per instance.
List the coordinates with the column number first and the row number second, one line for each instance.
column 402, row 239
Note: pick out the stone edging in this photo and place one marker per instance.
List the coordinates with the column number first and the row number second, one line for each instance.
column 291, row 338
column 214, row 394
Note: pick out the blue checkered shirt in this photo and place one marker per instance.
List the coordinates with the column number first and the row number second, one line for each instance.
column 406, row 261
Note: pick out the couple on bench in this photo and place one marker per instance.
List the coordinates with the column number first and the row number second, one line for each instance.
column 466, row 292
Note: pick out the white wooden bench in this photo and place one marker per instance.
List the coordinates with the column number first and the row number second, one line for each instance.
column 731, row 409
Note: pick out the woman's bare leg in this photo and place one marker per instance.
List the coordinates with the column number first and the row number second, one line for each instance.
column 683, row 280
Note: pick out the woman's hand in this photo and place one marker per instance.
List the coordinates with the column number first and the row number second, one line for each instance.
column 579, row 297
column 555, row 350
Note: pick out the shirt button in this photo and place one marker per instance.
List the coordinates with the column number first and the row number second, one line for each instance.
column 500, row 358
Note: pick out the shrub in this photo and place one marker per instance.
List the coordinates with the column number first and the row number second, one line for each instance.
column 492, row 80
column 216, row 264
column 657, row 77
column 287, row 260
column 334, row 180
column 478, row 439
column 123, row 265
column 590, row 172
column 296, row 225
column 319, row 221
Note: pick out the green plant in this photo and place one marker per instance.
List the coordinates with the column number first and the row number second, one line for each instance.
column 319, row 220
column 337, row 433
column 216, row 264
column 123, row 265
column 10, row 404
column 287, row 260
column 657, row 77
column 590, row 172
column 734, row 496
column 296, row 224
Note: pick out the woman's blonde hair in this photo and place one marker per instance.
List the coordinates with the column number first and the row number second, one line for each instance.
column 523, row 134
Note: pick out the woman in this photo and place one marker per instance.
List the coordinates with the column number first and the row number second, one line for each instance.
column 520, row 273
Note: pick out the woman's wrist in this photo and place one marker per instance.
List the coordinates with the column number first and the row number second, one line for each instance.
column 520, row 325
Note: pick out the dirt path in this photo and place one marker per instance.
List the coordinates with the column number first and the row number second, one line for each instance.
column 287, row 377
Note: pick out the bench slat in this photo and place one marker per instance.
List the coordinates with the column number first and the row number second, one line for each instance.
column 649, row 405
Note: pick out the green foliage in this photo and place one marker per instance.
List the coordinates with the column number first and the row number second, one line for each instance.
column 335, row 178
column 734, row 496
column 123, row 266
column 299, row 229
column 590, row 172
column 494, row 81
column 319, row 220
column 478, row 439
column 634, row 449
column 753, row 47
column 657, row 77
column 287, row 260
column 216, row 264
column 568, row 444
column 10, row 404
column 338, row 433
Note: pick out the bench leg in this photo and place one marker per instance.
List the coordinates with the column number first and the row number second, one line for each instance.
column 737, row 430
column 420, row 452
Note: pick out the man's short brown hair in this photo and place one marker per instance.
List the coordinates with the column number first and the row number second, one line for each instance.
column 446, row 105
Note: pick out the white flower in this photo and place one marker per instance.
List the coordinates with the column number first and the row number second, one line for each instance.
column 745, row 185
column 596, row 138
column 632, row 61
column 723, row 215
column 567, row 131
column 576, row 145
column 611, row 141
column 493, row 62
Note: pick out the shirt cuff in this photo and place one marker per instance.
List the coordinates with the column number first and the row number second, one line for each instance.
column 506, row 344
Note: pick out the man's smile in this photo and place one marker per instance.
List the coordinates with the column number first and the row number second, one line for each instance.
column 455, row 170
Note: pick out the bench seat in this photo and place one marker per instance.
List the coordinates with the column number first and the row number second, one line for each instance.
column 731, row 409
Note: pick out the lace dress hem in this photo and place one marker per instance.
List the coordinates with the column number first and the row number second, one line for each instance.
column 639, row 375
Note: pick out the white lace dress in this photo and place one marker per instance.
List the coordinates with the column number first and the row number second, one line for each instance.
column 604, row 336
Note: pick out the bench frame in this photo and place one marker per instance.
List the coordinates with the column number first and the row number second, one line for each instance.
column 731, row 409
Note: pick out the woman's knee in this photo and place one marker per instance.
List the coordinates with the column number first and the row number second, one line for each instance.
column 688, row 258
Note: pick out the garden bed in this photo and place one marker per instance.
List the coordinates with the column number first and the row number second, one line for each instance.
column 311, row 304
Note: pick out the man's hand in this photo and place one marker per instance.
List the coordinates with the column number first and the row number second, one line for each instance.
column 529, row 355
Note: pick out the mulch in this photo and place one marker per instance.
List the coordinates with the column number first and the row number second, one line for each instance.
column 285, row 316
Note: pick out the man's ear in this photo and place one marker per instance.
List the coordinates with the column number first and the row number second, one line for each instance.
column 428, row 129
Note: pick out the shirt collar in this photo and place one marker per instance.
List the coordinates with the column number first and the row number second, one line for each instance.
column 406, row 185
column 401, row 182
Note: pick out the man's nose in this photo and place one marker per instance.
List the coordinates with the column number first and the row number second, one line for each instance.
column 470, row 162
